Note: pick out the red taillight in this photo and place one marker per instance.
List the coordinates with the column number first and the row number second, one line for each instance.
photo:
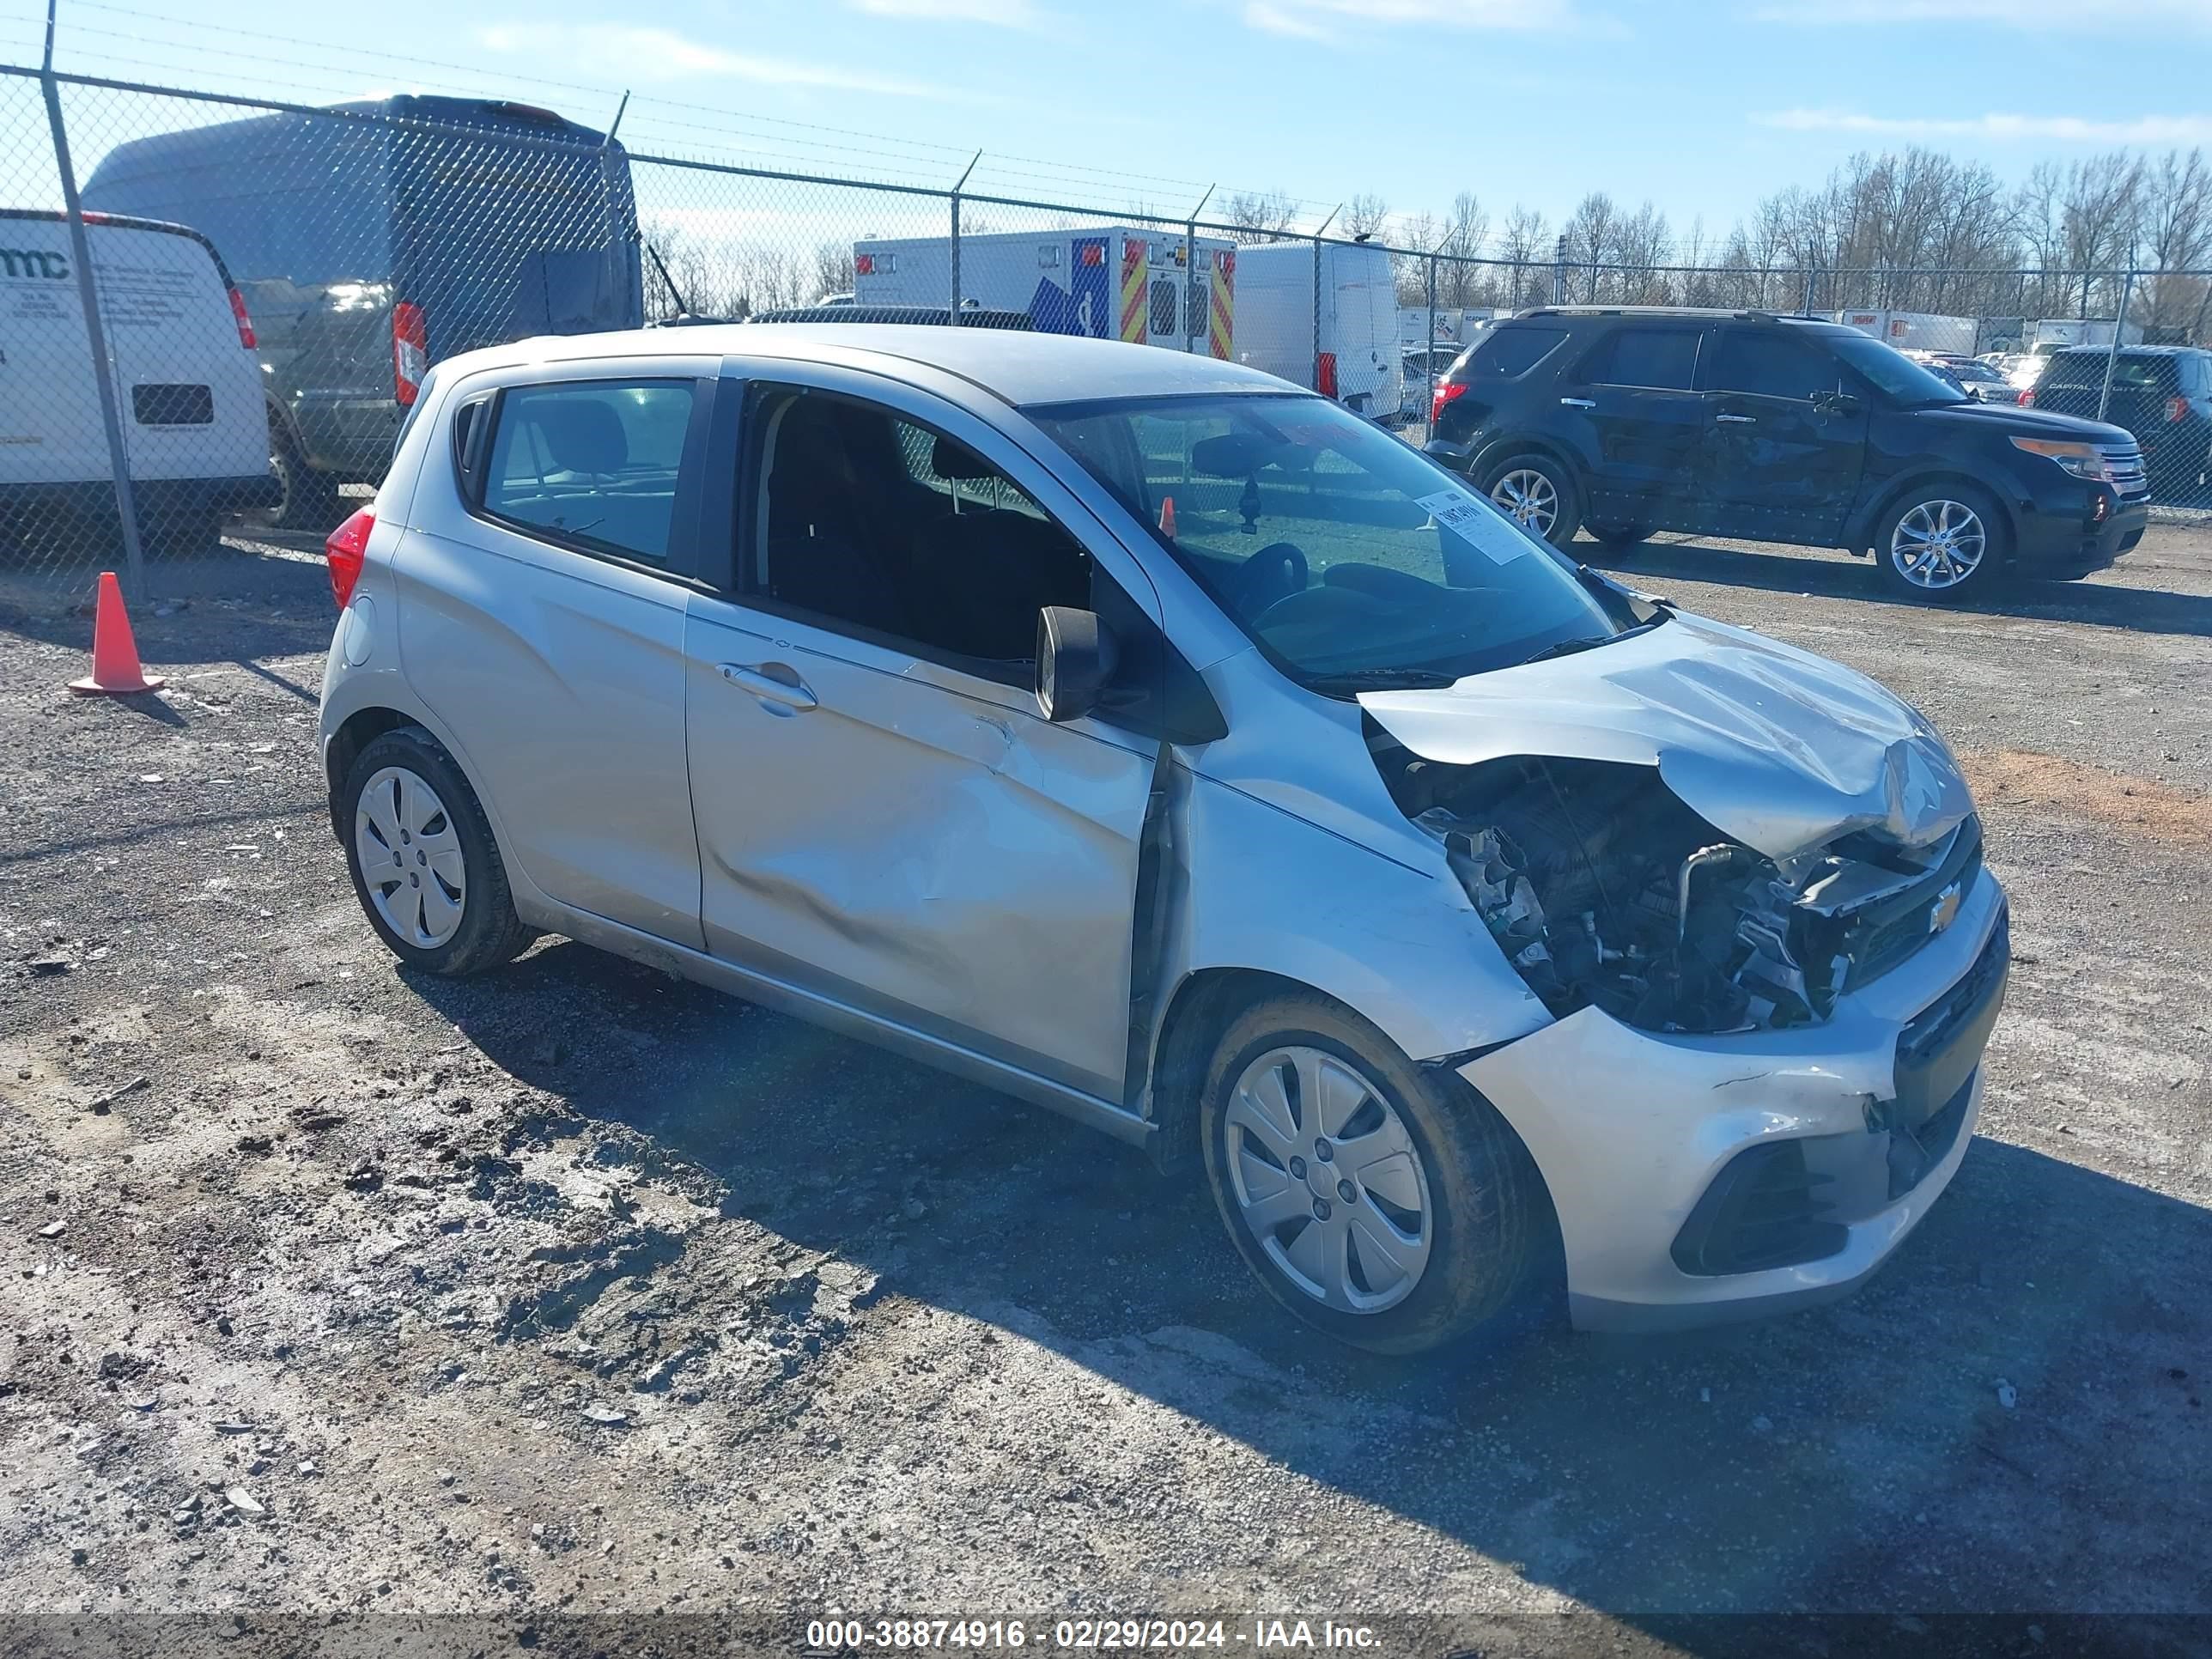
column 2026, row 396
column 1445, row 392
column 410, row 351
column 1325, row 374
column 347, row 549
column 245, row 320
column 2177, row 408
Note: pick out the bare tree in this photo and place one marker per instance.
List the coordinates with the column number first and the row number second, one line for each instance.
column 1260, row 215
column 1525, row 242
column 1365, row 214
column 2177, row 236
column 1459, row 281
column 2100, row 215
column 1590, row 233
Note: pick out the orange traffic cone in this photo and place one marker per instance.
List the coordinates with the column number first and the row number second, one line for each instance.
column 1167, row 517
column 115, row 670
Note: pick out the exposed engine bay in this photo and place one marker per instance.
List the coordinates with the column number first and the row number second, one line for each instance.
column 1601, row 887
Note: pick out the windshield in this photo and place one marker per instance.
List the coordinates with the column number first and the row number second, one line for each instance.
column 1349, row 559
column 1893, row 373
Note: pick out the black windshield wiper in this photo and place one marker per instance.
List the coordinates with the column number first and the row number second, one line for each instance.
column 1378, row 679
column 1568, row 648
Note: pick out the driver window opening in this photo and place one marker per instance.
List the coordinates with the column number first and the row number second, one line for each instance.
column 872, row 520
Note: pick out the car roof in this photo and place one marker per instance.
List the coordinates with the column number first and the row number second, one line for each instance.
column 1687, row 313
column 1020, row 369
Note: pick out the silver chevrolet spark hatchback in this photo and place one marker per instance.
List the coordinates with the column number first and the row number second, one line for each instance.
column 1134, row 734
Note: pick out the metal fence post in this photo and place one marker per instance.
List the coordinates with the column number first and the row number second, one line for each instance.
column 1429, row 345
column 2112, row 351
column 1193, row 317
column 1323, row 226
column 953, row 315
column 95, row 333
column 1560, row 270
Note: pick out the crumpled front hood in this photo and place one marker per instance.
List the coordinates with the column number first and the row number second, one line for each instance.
column 1773, row 746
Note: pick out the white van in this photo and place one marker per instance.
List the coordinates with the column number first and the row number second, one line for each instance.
column 1355, row 358
column 188, row 387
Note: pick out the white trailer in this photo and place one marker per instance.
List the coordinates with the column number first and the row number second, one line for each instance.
column 1346, row 346
column 1111, row 282
column 1917, row 330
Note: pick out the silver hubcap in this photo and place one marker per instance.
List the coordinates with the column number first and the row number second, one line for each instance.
column 1528, row 500
column 1938, row 544
column 1327, row 1178
column 410, row 858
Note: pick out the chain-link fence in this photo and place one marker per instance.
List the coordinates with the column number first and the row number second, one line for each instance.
column 223, row 347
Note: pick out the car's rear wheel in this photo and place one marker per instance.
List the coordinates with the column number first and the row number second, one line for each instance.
column 423, row 861
column 1942, row 541
column 1538, row 494
column 306, row 500
column 1393, row 1211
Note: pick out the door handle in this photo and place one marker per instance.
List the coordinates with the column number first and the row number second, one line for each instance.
column 1738, row 420
column 1579, row 402
column 792, row 695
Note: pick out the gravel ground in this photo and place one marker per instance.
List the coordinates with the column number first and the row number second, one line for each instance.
column 337, row 1289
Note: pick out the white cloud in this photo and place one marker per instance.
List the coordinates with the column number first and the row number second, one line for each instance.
column 2139, row 17
column 2154, row 130
column 1004, row 14
column 1316, row 19
column 643, row 56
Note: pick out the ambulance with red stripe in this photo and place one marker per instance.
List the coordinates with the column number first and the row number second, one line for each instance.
column 1147, row 285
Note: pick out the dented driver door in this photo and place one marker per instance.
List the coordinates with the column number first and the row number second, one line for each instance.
column 884, row 825
column 875, row 832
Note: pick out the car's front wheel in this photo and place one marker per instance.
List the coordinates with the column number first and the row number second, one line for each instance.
column 1395, row 1210
column 1538, row 494
column 1942, row 541
column 423, row 861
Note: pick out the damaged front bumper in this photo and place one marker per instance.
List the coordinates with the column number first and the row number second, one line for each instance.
column 1703, row 1178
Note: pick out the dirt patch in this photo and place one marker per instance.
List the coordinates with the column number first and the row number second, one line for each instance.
column 2023, row 780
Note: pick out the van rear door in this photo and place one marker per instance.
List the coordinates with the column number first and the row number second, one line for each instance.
column 509, row 223
column 1359, row 324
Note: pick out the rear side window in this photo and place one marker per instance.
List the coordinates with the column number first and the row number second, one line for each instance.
column 1663, row 359
column 1770, row 364
column 595, row 463
column 171, row 405
column 1507, row 352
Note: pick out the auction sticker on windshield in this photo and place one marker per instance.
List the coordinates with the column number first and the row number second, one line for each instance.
column 1465, row 518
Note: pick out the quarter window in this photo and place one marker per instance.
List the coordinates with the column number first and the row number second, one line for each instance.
column 593, row 462
column 1660, row 359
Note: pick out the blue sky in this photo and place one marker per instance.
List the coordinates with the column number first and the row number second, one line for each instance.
column 1700, row 105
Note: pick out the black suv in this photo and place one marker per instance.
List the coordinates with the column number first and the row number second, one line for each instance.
column 2162, row 394
column 1781, row 429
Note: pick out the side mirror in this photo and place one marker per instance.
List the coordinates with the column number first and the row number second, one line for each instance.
column 1075, row 659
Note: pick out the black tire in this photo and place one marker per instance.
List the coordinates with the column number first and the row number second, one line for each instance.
column 1619, row 539
column 1566, row 516
column 1990, row 566
column 307, row 501
column 489, row 933
column 1489, row 1217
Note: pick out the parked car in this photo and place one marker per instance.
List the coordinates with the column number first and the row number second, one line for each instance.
column 2162, row 395
column 1783, row 429
column 376, row 238
column 1976, row 379
column 187, row 389
column 1419, row 368
column 1132, row 733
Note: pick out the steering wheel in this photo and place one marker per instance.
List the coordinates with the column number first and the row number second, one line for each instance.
column 1275, row 572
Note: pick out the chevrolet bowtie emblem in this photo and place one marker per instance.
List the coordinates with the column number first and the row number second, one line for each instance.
column 1945, row 910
